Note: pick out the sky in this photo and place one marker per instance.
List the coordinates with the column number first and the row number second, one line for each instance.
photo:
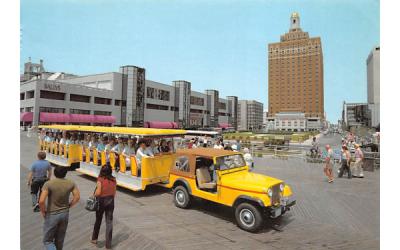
column 217, row 44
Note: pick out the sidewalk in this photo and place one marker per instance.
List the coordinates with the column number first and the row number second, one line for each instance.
column 306, row 142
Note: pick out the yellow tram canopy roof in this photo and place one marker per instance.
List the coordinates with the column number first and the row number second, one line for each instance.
column 117, row 130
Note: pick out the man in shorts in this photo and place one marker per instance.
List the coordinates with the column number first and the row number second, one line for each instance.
column 40, row 172
column 328, row 169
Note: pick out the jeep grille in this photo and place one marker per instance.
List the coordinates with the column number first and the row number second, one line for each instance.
column 276, row 195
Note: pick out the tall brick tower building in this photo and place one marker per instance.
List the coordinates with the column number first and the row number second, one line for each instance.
column 296, row 73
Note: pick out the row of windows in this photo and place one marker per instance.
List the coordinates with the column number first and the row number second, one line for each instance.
column 71, row 111
column 29, row 95
column 222, row 105
column 44, row 94
column 79, row 111
column 51, row 110
column 157, row 94
column 194, row 100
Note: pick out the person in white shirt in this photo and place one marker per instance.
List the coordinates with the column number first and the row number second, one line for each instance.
column 119, row 147
column 218, row 145
column 142, row 151
column 129, row 150
column 248, row 158
column 154, row 148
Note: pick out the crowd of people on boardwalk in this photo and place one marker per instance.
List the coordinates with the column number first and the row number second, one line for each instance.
column 351, row 159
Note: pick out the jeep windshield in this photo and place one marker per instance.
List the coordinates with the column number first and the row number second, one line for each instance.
column 230, row 162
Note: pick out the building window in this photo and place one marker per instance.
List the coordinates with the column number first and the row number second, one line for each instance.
column 174, row 109
column 163, row 95
column 97, row 112
column 22, row 96
column 51, row 110
column 157, row 94
column 99, row 100
column 196, row 101
column 79, row 98
column 29, row 109
column 117, row 102
column 21, row 110
column 44, row 94
column 157, row 107
column 222, row 105
column 79, row 111
column 30, row 94
column 151, row 92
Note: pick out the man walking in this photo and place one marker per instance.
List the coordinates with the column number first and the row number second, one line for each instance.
column 56, row 214
column 359, row 155
column 40, row 172
column 329, row 164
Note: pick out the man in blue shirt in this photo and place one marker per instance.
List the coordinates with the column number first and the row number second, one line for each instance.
column 40, row 172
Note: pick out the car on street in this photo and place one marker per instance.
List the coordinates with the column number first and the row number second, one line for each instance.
column 222, row 176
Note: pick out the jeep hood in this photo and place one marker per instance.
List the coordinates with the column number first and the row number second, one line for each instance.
column 249, row 181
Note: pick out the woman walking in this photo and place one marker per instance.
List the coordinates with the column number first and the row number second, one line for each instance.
column 345, row 162
column 359, row 155
column 328, row 169
column 105, row 192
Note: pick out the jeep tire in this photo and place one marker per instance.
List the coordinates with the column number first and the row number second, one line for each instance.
column 248, row 217
column 182, row 198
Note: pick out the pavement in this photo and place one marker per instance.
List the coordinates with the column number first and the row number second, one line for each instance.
column 341, row 215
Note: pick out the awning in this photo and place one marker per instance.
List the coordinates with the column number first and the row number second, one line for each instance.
column 104, row 119
column 157, row 124
column 81, row 118
column 26, row 117
column 53, row 117
column 75, row 118
column 224, row 125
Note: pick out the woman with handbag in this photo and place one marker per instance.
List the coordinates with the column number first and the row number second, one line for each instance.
column 105, row 193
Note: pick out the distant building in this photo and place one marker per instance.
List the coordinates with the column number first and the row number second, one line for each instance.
column 265, row 117
column 293, row 121
column 250, row 115
column 124, row 98
column 296, row 73
column 373, row 79
column 355, row 115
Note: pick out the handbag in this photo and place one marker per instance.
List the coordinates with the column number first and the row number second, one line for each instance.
column 92, row 203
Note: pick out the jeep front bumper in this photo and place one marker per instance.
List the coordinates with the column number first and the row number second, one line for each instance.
column 286, row 203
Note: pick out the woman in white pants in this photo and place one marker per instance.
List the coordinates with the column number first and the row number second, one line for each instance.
column 359, row 155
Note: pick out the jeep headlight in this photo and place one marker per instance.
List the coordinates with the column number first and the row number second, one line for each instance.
column 269, row 192
column 282, row 187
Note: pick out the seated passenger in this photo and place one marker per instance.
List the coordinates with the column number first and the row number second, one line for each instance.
column 101, row 144
column 117, row 149
column 163, row 148
column 49, row 137
column 142, row 151
column 129, row 150
column 119, row 146
column 74, row 139
column 58, row 140
column 93, row 142
column 170, row 146
column 154, row 148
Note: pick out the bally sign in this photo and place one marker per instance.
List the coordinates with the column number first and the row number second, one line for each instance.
column 52, row 86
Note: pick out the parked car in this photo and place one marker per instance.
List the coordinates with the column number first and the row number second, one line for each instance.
column 222, row 176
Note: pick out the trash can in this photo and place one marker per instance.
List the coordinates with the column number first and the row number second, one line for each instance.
column 369, row 161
